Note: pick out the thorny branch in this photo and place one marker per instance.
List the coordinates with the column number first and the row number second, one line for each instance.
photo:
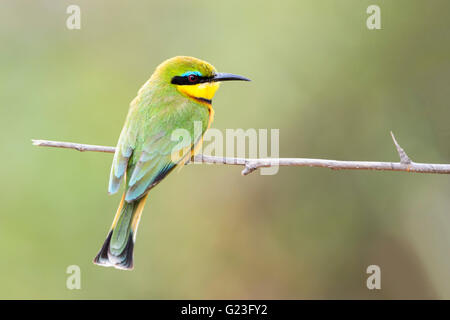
column 251, row 165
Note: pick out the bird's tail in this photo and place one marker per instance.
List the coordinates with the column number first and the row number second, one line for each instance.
column 117, row 251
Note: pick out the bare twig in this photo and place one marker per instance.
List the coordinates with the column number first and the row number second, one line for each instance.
column 251, row 165
column 71, row 145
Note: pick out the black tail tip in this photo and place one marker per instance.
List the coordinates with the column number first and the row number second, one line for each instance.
column 123, row 261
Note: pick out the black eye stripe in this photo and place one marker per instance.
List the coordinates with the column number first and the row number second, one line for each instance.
column 184, row 81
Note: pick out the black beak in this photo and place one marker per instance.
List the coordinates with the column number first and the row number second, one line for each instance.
column 228, row 77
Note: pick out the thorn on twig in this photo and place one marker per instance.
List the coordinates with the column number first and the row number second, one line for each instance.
column 249, row 168
column 404, row 159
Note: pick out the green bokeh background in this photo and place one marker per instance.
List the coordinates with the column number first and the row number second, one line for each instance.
column 334, row 89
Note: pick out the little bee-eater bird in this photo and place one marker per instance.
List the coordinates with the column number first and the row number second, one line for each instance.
column 179, row 93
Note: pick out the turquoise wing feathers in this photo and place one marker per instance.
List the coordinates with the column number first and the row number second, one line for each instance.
column 124, row 150
column 144, row 151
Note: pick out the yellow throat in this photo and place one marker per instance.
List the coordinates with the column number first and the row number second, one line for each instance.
column 202, row 92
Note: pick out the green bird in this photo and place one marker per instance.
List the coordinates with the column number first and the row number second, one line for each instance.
column 179, row 93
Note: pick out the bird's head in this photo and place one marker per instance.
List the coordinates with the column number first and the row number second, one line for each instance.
column 194, row 78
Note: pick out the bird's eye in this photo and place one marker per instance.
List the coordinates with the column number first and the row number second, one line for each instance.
column 192, row 78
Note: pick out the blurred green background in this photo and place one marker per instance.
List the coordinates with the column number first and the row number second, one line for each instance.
column 334, row 89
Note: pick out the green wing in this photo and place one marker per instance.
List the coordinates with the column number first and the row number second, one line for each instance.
column 124, row 150
column 152, row 138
